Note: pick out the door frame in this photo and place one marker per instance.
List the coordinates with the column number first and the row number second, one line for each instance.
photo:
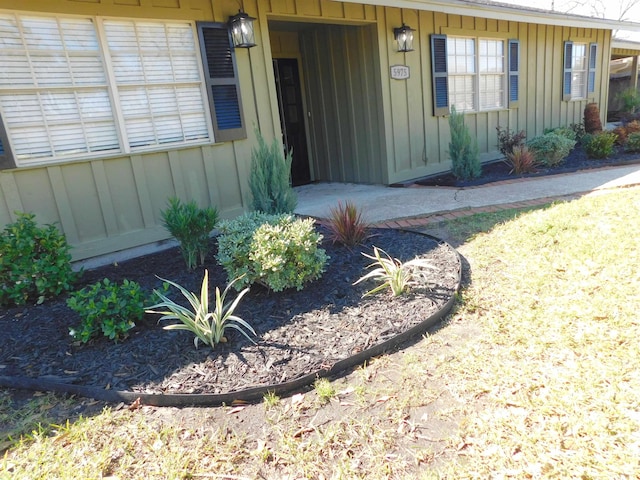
column 304, row 93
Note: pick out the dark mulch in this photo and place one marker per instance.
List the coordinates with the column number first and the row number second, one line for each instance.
column 297, row 331
column 497, row 171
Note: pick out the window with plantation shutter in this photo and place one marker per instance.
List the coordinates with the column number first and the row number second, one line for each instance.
column 221, row 79
column 77, row 88
column 54, row 96
column 473, row 74
column 155, row 67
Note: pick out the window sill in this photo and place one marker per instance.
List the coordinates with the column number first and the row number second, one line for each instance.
column 83, row 158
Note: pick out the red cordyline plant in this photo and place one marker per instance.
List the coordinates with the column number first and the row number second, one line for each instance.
column 346, row 225
column 522, row 160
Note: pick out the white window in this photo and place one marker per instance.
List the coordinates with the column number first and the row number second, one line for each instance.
column 580, row 68
column 579, row 71
column 476, row 74
column 85, row 87
column 158, row 82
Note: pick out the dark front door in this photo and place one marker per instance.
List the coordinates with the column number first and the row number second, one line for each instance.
column 292, row 117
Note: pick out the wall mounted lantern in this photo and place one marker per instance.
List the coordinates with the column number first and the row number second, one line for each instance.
column 241, row 26
column 404, row 37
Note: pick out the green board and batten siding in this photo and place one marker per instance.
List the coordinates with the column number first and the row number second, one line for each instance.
column 364, row 126
column 417, row 141
column 111, row 204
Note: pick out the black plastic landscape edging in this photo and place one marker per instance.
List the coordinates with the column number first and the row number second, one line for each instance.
column 249, row 395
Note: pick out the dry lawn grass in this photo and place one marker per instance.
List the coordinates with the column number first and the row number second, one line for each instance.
column 536, row 375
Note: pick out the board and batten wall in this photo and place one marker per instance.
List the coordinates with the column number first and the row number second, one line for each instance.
column 111, row 204
column 367, row 127
column 418, row 142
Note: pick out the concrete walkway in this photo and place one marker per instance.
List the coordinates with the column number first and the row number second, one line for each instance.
column 416, row 205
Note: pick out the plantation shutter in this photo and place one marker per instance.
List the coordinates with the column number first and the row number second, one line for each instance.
column 6, row 157
column 221, row 78
column 566, row 83
column 514, row 72
column 440, row 75
column 591, row 80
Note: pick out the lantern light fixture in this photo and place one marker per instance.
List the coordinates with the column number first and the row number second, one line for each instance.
column 404, row 36
column 242, row 34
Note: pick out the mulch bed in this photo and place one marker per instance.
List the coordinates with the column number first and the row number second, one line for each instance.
column 497, row 171
column 297, row 331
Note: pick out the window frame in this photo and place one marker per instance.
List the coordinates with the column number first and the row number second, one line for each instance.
column 590, row 70
column 9, row 160
column 440, row 73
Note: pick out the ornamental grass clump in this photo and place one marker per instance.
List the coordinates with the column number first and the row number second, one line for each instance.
column 465, row 160
column 346, row 225
column 108, row 308
column 191, row 226
column 521, row 160
column 276, row 251
column 35, row 263
column 208, row 326
column 394, row 274
column 270, row 178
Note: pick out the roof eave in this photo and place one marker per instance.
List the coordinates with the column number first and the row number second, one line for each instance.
column 505, row 12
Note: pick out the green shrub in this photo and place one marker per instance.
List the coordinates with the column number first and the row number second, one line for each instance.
column 465, row 161
column 270, row 178
column 578, row 129
column 276, row 251
column 633, row 143
column 567, row 132
column 599, row 145
column 191, row 226
column 629, row 100
column 551, row 149
column 508, row 141
column 107, row 308
column 35, row 263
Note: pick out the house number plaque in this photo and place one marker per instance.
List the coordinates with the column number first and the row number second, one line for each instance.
column 399, row 72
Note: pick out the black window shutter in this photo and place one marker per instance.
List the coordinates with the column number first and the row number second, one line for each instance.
column 221, row 77
column 514, row 72
column 6, row 157
column 440, row 75
column 566, row 82
column 593, row 55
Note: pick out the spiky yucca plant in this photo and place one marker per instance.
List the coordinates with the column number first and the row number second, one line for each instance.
column 396, row 275
column 208, row 327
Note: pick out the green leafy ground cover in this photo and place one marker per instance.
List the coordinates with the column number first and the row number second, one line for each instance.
column 535, row 375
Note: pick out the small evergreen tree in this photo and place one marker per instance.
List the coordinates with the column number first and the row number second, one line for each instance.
column 270, row 178
column 465, row 160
